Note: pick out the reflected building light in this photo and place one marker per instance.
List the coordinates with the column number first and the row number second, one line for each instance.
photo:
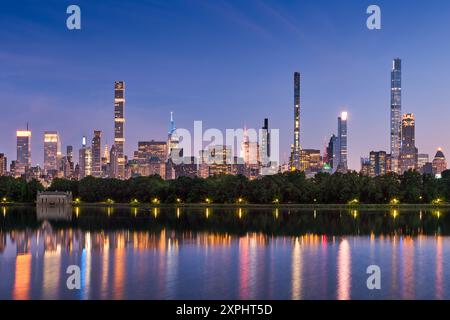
column 155, row 212
column 4, row 211
column 22, row 277
column 276, row 213
column 244, row 272
column 51, row 279
column 437, row 213
column 344, row 271
column 77, row 211
column 178, row 212
column 394, row 213
column 297, row 270
column 394, row 268
column 105, row 269
column 408, row 268
column 439, row 270
column 207, row 213
column 240, row 213
column 171, row 270
column 119, row 270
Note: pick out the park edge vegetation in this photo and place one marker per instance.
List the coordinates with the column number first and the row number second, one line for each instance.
column 286, row 188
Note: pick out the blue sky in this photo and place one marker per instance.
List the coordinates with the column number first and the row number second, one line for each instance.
column 227, row 63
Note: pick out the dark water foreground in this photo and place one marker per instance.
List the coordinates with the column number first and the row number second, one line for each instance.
column 211, row 253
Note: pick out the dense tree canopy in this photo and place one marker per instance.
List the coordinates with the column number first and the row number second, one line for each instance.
column 290, row 187
column 19, row 190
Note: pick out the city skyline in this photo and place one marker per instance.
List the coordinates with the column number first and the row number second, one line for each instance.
column 407, row 153
column 355, row 80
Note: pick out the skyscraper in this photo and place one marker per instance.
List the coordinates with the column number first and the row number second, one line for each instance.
column 118, row 170
column 296, row 147
column 85, row 160
column 265, row 143
column 23, row 162
column 250, row 154
column 97, row 154
column 3, row 164
column 439, row 163
column 342, row 142
column 408, row 153
column 52, row 151
column 422, row 160
column 332, row 153
column 172, row 138
column 377, row 162
column 396, row 113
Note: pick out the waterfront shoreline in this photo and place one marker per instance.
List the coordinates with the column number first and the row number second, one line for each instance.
column 248, row 205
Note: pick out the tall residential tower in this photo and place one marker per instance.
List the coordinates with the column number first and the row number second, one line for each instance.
column 97, row 154
column 342, row 140
column 118, row 171
column 396, row 114
column 296, row 147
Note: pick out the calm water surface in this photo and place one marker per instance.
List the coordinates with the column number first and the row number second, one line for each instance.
column 223, row 253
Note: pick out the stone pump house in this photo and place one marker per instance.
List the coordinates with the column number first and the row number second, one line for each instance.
column 50, row 198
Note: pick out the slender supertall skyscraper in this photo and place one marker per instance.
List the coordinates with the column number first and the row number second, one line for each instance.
column 296, row 147
column 119, row 129
column 342, row 140
column 265, row 143
column 396, row 114
column 97, row 154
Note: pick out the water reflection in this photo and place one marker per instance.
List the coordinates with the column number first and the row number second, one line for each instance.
column 297, row 262
column 199, row 254
column 22, row 277
column 54, row 213
column 344, row 270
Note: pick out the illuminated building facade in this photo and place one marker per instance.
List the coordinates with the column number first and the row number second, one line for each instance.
column 118, row 170
column 377, row 162
column 250, row 154
column 3, row 165
column 342, row 142
column 396, row 113
column 439, row 163
column 265, row 142
column 52, row 152
column 85, row 160
column 295, row 156
column 97, row 154
column 23, row 162
column 311, row 161
column 408, row 154
column 187, row 169
column 216, row 160
column 365, row 166
column 156, row 150
column 422, row 159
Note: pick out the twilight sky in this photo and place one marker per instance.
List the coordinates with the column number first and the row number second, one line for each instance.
column 227, row 63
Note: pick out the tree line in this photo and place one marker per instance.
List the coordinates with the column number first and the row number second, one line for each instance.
column 289, row 187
